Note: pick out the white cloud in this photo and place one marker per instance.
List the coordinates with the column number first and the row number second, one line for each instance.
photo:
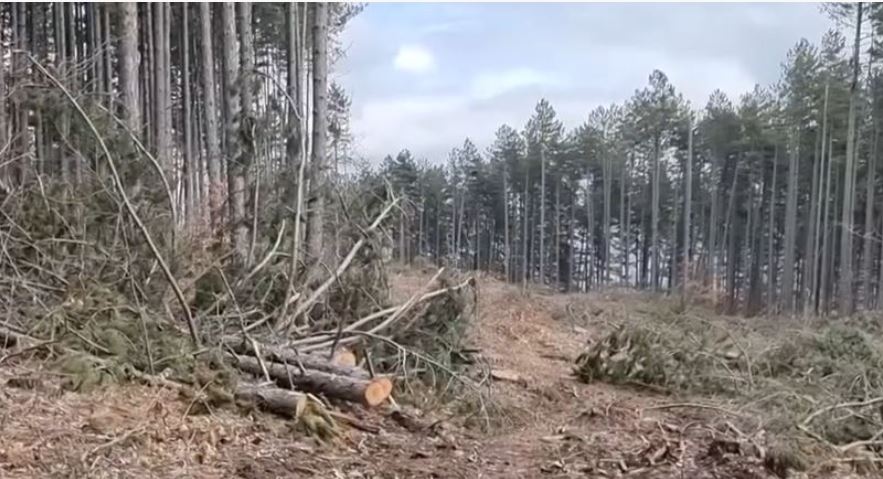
column 421, row 123
column 491, row 84
column 414, row 59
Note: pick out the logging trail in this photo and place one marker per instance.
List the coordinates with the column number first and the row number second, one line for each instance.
column 548, row 425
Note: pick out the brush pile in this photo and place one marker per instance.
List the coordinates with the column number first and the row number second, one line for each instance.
column 108, row 300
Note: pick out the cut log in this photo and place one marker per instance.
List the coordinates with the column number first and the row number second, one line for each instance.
column 272, row 399
column 344, row 357
column 367, row 391
column 342, row 364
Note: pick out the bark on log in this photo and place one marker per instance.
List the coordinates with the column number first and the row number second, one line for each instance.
column 285, row 402
column 341, row 364
column 272, row 399
column 370, row 392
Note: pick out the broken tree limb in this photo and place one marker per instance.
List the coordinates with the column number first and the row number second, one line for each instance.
column 369, row 392
column 286, row 324
column 325, row 339
column 339, row 365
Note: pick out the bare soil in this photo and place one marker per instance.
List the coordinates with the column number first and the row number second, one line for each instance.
column 550, row 425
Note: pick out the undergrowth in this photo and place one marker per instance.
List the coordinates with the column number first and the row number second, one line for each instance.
column 797, row 383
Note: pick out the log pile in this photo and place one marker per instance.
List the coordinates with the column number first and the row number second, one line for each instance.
column 325, row 378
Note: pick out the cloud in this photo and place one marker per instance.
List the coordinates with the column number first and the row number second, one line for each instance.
column 492, row 84
column 579, row 56
column 414, row 59
column 420, row 122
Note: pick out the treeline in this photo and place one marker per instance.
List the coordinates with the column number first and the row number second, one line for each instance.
column 770, row 202
column 209, row 109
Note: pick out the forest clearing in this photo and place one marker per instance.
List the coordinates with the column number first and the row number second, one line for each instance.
column 213, row 265
column 542, row 420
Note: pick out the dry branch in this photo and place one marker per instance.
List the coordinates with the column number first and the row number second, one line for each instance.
column 325, row 339
column 287, row 323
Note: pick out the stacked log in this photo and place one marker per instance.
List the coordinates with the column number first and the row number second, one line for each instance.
column 312, row 373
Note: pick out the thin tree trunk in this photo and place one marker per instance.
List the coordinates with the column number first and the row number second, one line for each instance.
column 162, row 115
column 827, row 247
column 189, row 162
column 506, row 246
column 654, row 218
column 316, row 214
column 525, row 255
column 245, row 165
column 815, row 254
column 607, row 166
column 786, row 299
column 212, row 141
column 628, row 220
column 809, row 259
column 542, row 213
column 557, row 236
column 128, row 61
column 772, row 254
column 232, row 146
column 688, row 200
column 623, row 227
column 845, row 294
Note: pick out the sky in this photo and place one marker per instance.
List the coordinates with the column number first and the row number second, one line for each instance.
column 427, row 76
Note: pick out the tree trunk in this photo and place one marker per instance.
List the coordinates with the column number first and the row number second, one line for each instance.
column 590, row 230
column 811, row 226
column 524, row 234
column 772, row 254
column 189, row 160
column 845, row 293
column 827, row 246
column 626, row 215
column 542, row 228
column 868, row 249
column 607, row 167
column 688, row 201
column 507, row 252
column 128, row 61
column 162, row 113
column 558, row 235
column 815, row 254
column 232, row 146
column 786, row 299
column 654, row 218
column 213, row 153
column 316, row 214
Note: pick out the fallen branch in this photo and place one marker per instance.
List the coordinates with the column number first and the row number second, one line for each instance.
column 325, row 339
column 287, row 323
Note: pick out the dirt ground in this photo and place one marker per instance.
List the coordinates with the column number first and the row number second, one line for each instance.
column 549, row 425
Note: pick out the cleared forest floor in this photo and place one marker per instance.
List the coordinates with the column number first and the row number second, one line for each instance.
column 548, row 424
